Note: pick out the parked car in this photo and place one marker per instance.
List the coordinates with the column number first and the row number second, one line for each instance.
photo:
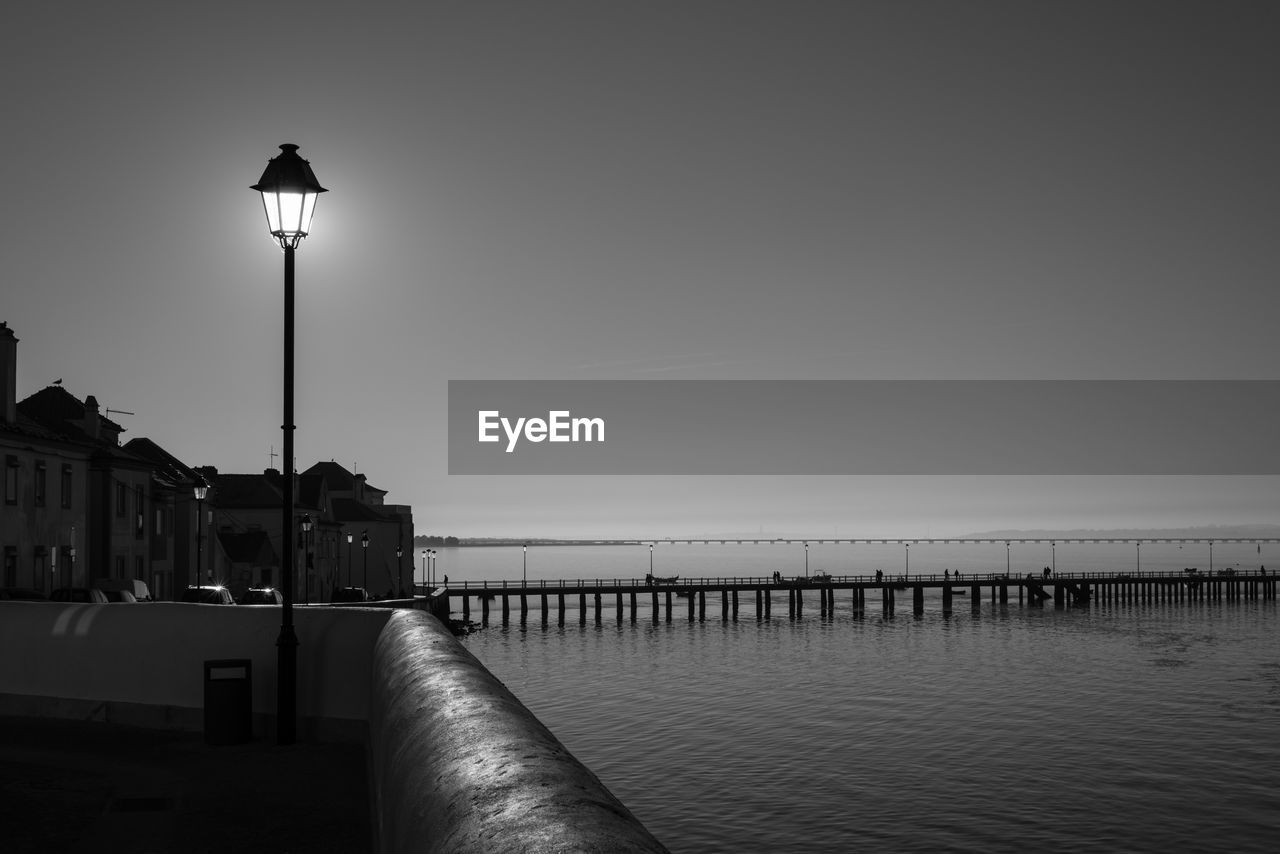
column 208, row 595
column 135, row 586
column 13, row 594
column 262, row 596
column 79, row 594
column 118, row 595
column 350, row 594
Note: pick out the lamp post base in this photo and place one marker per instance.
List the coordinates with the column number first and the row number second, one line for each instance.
column 286, row 686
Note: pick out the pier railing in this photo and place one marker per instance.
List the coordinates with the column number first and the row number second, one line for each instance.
column 516, row 585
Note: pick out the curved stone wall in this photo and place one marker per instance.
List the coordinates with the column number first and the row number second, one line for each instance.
column 458, row 764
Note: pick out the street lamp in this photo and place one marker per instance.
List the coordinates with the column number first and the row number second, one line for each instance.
column 306, row 556
column 806, row 560
column 349, row 538
column 200, row 491
column 1138, row 545
column 433, row 566
column 524, row 566
column 399, row 568
column 907, row 572
column 651, row 558
column 1006, row 557
column 364, row 547
column 1053, row 558
column 425, row 577
column 289, row 191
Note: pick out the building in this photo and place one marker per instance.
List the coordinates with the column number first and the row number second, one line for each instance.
column 79, row 507
column 344, row 511
column 358, row 509
column 44, row 517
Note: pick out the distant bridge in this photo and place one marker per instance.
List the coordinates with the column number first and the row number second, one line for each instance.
column 944, row 540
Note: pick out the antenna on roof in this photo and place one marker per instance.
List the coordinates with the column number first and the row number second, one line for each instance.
column 118, row 412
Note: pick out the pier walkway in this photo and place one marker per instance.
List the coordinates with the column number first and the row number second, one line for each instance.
column 1067, row 589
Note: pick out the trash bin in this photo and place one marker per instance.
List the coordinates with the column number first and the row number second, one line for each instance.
column 228, row 701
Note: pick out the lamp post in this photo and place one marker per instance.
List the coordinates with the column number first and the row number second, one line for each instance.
column 349, row 538
column 907, row 571
column 806, row 560
column 364, row 547
column 1006, row 557
column 306, row 557
column 1138, row 546
column 289, row 191
column 1211, row 557
column 651, row 558
column 425, row 577
column 200, row 492
column 1053, row 558
column 399, row 567
column 433, row 566
column 524, row 566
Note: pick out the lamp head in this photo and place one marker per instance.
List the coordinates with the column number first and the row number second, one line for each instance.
column 289, row 191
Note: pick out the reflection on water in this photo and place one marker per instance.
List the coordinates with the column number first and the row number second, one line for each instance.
column 1120, row 727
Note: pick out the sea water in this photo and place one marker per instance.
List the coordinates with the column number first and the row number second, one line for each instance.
column 1150, row 727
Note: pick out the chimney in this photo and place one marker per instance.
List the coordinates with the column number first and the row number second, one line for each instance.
column 91, row 423
column 8, row 375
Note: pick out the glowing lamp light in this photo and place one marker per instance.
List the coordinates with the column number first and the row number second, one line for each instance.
column 289, row 191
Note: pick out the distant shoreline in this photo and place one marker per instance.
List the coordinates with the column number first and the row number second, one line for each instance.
column 1201, row 532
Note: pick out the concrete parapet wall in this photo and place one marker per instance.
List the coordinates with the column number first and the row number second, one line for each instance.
column 458, row 764
column 143, row 664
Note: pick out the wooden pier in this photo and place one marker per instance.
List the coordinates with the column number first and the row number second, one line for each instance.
column 625, row 599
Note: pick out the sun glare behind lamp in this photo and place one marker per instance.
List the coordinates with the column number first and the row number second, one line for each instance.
column 289, row 191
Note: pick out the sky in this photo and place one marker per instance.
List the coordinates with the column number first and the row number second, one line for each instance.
column 644, row 190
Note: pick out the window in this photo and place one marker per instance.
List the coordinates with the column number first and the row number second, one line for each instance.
column 122, row 500
column 159, row 529
column 40, row 483
column 66, row 486
column 10, row 479
column 138, row 517
column 139, row 567
column 10, row 566
column 119, row 567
